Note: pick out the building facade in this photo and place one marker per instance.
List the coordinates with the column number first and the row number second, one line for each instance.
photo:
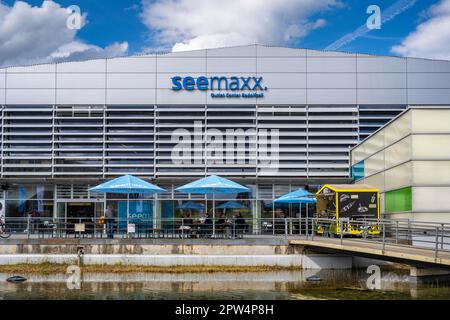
column 271, row 118
column 409, row 161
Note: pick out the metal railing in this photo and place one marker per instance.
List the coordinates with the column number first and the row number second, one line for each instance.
column 428, row 235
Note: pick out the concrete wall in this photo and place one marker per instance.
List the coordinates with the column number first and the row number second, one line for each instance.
column 175, row 255
column 304, row 261
column 149, row 249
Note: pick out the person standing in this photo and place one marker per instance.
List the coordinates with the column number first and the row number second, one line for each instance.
column 109, row 217
column 34, row 220
column 240, row 225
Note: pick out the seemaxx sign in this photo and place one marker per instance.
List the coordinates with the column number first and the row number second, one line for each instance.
column 234, row 87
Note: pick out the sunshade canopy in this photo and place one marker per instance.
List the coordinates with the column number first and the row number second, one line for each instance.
column 231, row 205
column 192, row 205
column 213, row 185
column 297, row 200
column 297, row 196
column 127, row 184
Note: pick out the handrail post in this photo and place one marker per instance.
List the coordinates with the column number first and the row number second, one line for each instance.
column 306, row 227
column 182, row 228
column 312, row 229
column 436, row 248
column 396, row 232
column 384, row 235
column 234, row 236
column 300, row 226
column 409, row 231
column 285, row 228
column 341, row 230
column 442, row 236
column 28, row 226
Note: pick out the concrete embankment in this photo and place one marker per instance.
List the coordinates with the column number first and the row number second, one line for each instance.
column 268, row 253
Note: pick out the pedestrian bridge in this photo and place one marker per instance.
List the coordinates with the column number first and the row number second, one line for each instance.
column 394, row 252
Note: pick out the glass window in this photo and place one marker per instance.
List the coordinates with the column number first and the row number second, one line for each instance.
column 21, row 208
column 358, row 171
column 35, row 191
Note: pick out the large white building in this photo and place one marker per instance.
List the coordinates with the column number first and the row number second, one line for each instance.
column 408, row 160
column 66, row 126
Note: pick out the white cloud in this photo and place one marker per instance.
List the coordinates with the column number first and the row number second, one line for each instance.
column 39, row 34
column 431, row 38
column 77, row 50
column 197, row 24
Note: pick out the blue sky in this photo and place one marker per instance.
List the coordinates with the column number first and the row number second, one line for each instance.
column 137, row 26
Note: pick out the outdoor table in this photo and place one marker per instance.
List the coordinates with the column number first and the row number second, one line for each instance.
column 184, row 231
column 139, row 228
column 57, row 232
column 154, row 231
column 44, row 227
column 94, row 227
column 224, row 229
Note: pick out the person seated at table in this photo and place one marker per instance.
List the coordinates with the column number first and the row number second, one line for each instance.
column 206, row 227
column 241, row 226
column 202, row 218
column 188, row 222
column 221, row 223
column 279, row 222
column 185, row 225
column 109, row 217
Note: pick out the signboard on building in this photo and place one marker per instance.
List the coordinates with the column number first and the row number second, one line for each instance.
column 221, row 86
column 131, row 228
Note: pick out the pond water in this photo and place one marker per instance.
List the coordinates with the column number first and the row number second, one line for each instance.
column 335, row 284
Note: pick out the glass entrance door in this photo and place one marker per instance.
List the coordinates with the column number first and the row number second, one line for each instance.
column 68, row 209
column 71, row 212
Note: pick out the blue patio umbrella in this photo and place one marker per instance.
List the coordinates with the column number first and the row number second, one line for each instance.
column 298, row 196
column 231, row 205
column 296, row 200
column 127, row 184
column 213, row 185
column 192, row 205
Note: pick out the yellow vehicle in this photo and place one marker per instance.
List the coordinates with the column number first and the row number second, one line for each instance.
column 352, row 207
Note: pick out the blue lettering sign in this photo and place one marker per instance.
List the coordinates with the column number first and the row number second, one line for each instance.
column 218, row 83
column 189, row 83
column 176, row 83
column 202, row 83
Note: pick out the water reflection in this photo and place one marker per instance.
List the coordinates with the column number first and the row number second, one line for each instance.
column 335, row 284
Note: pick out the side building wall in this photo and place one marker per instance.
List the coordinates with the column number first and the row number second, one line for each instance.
column 409, row 161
